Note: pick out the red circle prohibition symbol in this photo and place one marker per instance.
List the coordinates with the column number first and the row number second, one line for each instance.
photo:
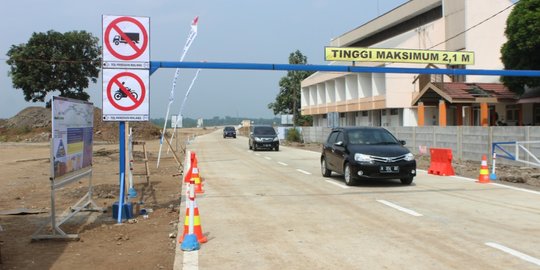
column 114, row 25
column 115, row 81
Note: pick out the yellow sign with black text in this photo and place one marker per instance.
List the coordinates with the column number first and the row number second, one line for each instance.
column 398, row 56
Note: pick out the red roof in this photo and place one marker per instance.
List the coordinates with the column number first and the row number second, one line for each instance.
column 474, row 90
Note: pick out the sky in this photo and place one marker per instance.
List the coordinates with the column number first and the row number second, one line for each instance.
column 240, row 31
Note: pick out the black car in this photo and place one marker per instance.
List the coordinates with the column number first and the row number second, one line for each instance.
column 368, row 153
column 263, row 137
column 229, row 132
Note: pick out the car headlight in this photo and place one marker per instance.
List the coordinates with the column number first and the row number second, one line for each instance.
column 257, row 139
column 409, row 157
column 363, row 158
column 276, row 139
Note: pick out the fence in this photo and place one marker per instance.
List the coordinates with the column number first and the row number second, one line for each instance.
column 466, row 142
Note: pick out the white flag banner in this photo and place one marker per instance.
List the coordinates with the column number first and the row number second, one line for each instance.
column 191, row 37
column 184, row 103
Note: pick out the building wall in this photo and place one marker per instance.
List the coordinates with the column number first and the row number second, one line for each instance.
column 455, row 23
column 325, row 92
column 487, row 54
column 466, row 143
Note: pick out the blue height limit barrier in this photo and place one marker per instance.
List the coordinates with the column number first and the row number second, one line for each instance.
column 155, row 65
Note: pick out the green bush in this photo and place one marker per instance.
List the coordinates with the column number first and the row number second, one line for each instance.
column 293, row 135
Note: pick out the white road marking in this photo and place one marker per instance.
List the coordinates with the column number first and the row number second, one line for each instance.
column 304, row 172
column 465, row 178
column 269, row 158
column 257, row 154
column 395, row 206
column 516, row 253
column 284, row 164
column 495, row 184
column 191, row 260
column 337, row 184
column 518, row 189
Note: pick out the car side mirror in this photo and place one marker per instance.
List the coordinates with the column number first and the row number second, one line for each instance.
column 340, row 143
column 403, row 142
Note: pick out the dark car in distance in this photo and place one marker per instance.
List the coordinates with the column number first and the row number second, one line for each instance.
column 229, row 132
column 367, row 153
column 263, row 137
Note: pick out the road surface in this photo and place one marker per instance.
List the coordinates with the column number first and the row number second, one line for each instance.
column 274, row 210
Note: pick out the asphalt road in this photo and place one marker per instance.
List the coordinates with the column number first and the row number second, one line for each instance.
column 274, row 210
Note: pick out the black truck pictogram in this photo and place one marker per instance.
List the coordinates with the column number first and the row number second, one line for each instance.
column 119, row 39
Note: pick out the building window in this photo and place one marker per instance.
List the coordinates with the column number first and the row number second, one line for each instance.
column 365, row 113
column 342, row 115
column 394, row 111
column 512, row 113
column 383, row 112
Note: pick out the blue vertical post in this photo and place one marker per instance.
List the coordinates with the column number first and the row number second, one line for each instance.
column 122, row 166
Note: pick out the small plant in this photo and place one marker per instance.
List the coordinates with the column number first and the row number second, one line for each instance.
column 293, row 135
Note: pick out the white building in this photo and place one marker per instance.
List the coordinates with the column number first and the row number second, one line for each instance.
column 389, row 99
column 200, row 123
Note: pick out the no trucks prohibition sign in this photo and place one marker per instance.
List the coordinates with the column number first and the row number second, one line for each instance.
column 125, row 38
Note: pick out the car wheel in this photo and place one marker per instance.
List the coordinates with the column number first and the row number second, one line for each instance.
column 234, row 137
column 277, row 148
column 324, row 168
column 406, row 181
column 349, row 178
column 250, row 147
column 254, row 147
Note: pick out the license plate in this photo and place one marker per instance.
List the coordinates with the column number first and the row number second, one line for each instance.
column 389, row 169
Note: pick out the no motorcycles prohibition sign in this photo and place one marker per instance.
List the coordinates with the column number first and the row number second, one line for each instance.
column 124, row 44
column 117, row 91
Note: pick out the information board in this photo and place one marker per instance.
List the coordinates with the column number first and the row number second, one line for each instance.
column 72, row 136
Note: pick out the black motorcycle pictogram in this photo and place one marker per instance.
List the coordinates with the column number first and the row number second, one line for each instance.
column 119, row 94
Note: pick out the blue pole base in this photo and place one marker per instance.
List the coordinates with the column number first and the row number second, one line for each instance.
column 132, row 193
column 190, row 243
column 492, row 176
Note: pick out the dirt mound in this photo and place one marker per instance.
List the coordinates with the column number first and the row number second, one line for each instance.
column 33, row 124
column 30, row 118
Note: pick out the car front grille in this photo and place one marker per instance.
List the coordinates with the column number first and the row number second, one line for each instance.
column 388, row 159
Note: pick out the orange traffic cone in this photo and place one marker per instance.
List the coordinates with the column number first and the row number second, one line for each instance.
column 197, row 229
column 196, row 177
column 187, row 175
column 198, row 185
column 484, row 171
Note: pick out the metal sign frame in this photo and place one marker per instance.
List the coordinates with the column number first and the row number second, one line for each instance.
column 75, row 110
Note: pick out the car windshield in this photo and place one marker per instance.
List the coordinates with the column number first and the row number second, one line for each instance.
column 229, row 129
column 371, row 136
column 264, row 131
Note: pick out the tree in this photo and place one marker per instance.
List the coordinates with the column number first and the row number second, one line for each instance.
column 288, row 98
column 521, row 52
column 54, row 61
